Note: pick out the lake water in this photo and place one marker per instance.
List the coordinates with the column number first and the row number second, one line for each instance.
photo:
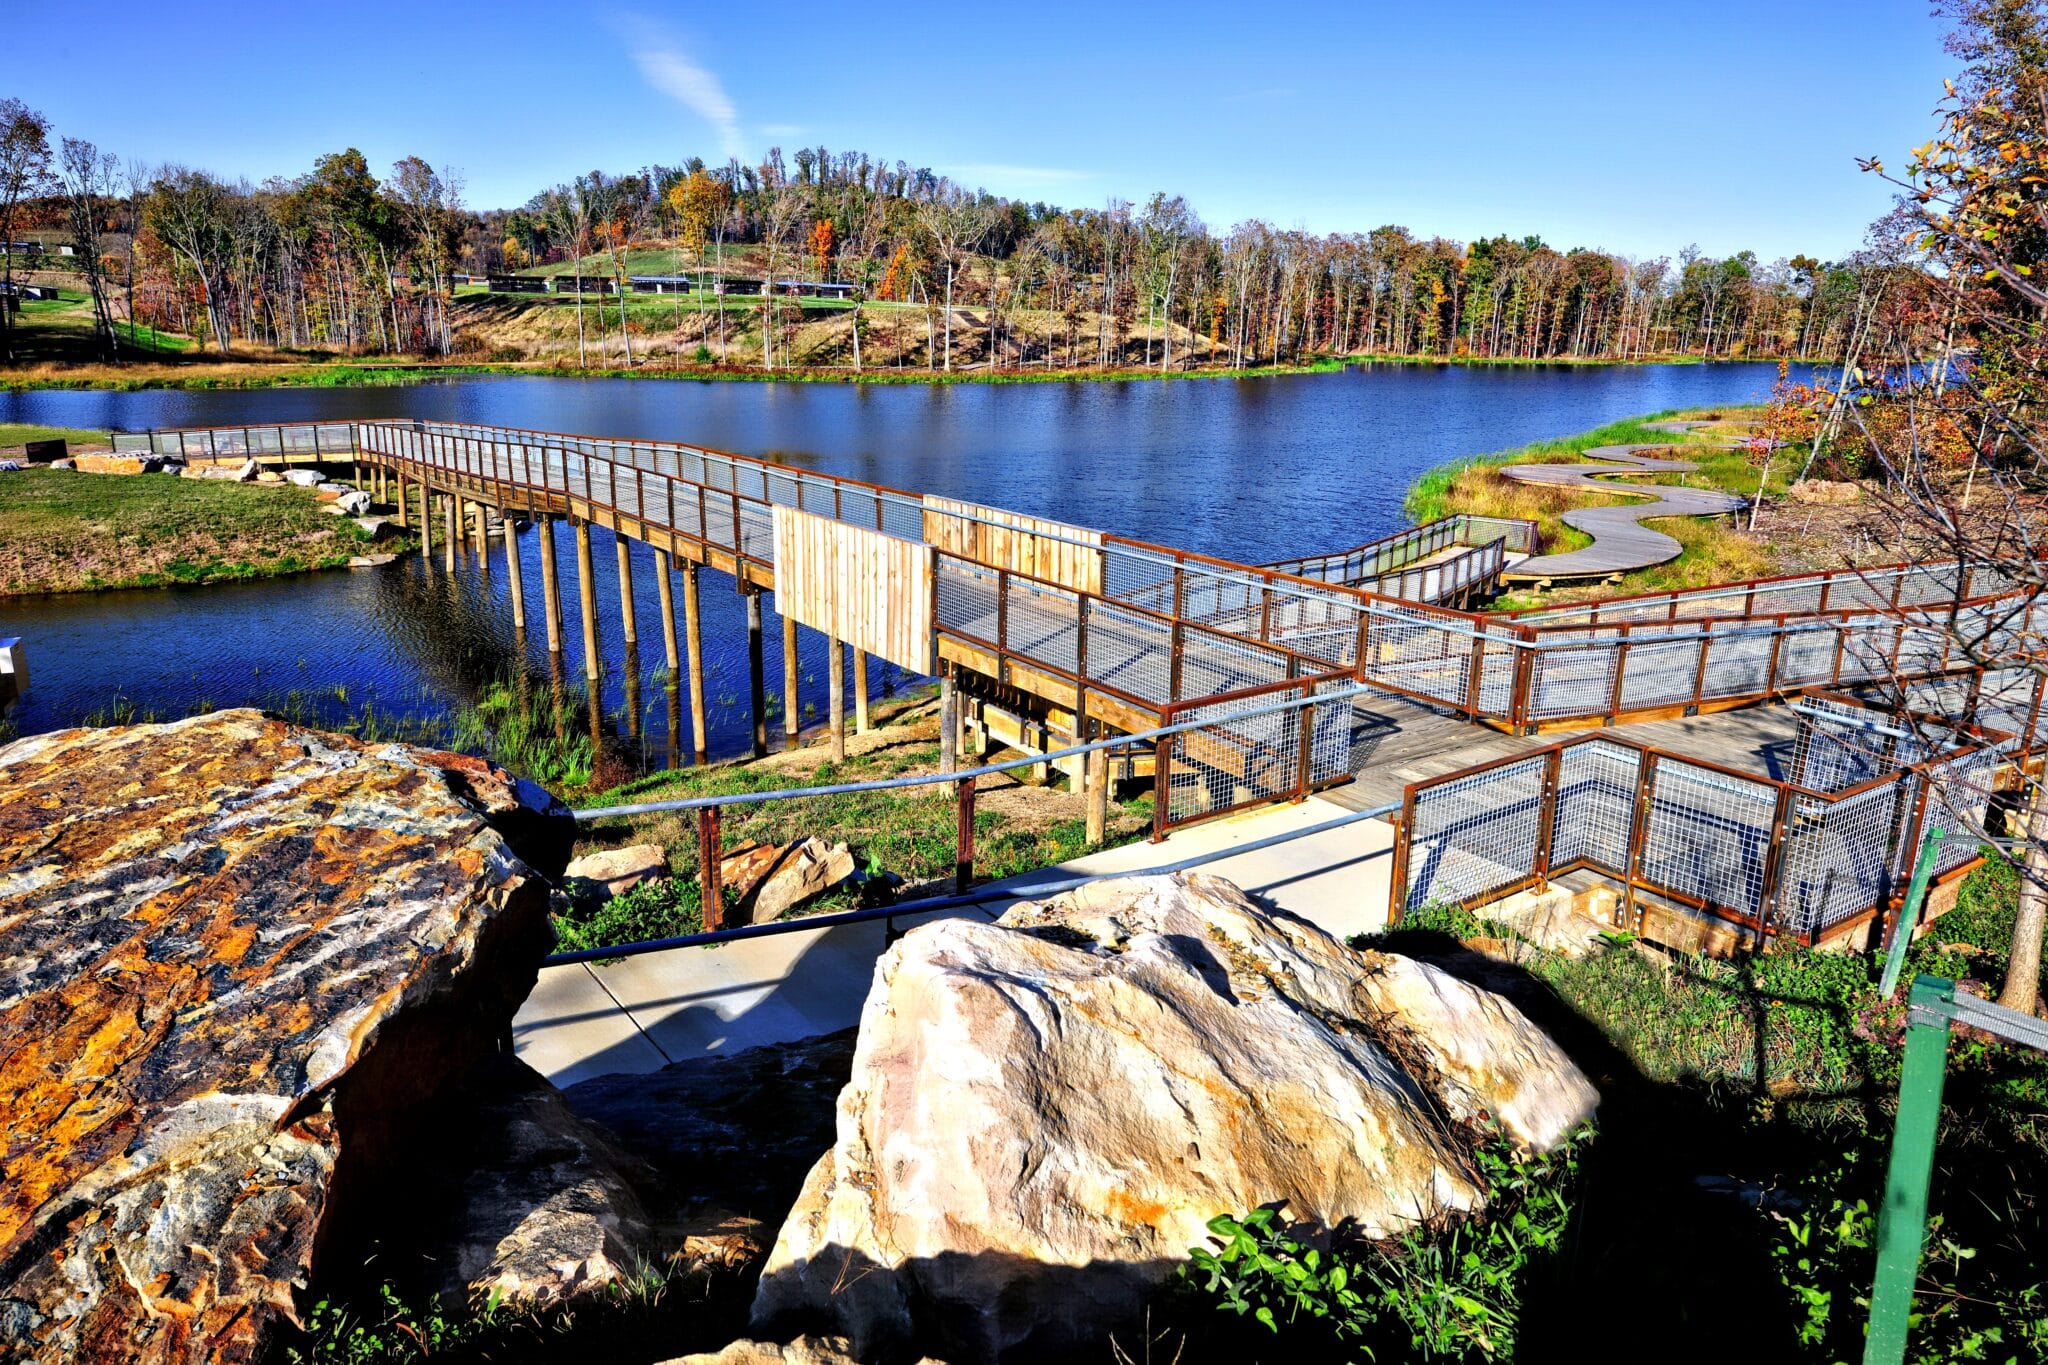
column 1249, row 469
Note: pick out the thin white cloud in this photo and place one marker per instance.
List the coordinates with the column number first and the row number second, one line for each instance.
column 666, row 67
column 1003, row 173
column 781, row 130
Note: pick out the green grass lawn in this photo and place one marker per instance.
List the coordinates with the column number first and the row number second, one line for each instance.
column 17, row 433
column 65, row 531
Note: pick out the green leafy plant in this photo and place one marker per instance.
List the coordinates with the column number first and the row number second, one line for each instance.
column 1450, row 1288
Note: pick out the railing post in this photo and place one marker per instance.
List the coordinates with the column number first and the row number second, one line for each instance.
column 1638, row 835
column 1620, row 671
column 1902, row 1217
column 1305, row 759
column 963, row 856
column 1404, row 830
column 1176, row 639
column 1162, row 778
column 709, row 873
column 1774, row 866
column 1546, row 816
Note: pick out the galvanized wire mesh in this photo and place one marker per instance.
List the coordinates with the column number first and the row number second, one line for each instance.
column 1233, row 759
column 1573, row 680
column 1596, row 802
column 1838, row 859
column 1474, row 836
column 1707, row 836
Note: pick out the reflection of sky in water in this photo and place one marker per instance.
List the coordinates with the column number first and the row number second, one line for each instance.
column 1248, row 469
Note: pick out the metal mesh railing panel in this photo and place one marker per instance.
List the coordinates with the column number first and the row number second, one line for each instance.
column 1659, row 674
column 1233, row 759
column 1837, row 861
column 1572, row 681
column 1707, row 835
column 1474, row 836
column 1596, row 802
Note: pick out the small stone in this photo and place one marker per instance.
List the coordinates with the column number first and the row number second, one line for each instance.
column 370, row 561
column 305, row 478
column 618, row 870
column 247, row 471
column 63, row 464
column 806, row 870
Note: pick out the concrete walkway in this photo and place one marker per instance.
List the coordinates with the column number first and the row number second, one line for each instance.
column 641, row 1013
column 1620, row 542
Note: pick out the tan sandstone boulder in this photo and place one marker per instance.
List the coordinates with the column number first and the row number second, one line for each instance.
column 1045, row 1112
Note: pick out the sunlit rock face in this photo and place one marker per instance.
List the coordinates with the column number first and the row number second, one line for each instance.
column 1046, row 1111
column 233, row 954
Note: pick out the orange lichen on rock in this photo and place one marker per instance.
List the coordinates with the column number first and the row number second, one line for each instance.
column 209, row 931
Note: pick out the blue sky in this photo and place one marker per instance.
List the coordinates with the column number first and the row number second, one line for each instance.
column 1633, row 127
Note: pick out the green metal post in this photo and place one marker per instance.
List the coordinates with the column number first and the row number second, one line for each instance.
column 1902, row 1221
column 1909, row 914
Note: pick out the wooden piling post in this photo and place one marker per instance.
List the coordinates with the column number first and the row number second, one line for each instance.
column 515, row 575
column 757, row 681
column 404, row 517
column 963, row 849
column 1097, row 795
column 663, row 566
column 791, row 710
column 427, row 523
column 860, row 692
column 480, row 535
column 835, row 669
column 949, row 721
column 452, row 529
column 550, row 588
column 693, row 643
column 586, row 596
column 627, row 615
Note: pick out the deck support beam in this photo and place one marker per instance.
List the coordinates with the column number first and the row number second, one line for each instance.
column 586, row 596
column 757, row 681
column 515, row 575
column 550, row 588
column 791, row 710
column 663, row 567
column 835, row 681
column 627, row 616
column 693, row 641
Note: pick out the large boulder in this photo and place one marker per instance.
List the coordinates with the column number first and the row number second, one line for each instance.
column 234, row 955
column 1045, row 1112
column 543, row 1206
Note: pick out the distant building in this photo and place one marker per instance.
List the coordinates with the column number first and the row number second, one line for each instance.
column 517, row 284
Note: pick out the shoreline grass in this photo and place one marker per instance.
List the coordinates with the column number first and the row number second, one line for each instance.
column 1713, row 549
column 64, row 531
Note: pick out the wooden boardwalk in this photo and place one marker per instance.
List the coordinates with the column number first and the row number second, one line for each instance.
column 1621, row 543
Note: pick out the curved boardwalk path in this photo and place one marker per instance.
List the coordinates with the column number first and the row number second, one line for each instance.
column 1620, row 542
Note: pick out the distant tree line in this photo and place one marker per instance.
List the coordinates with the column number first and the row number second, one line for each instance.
column 339, row 258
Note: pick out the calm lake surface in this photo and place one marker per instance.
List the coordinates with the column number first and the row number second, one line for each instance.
column 1251, row 469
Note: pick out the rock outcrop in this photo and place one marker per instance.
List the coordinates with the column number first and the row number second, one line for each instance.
column 233, row 953
column 545, row 1206
column 1045, row 1112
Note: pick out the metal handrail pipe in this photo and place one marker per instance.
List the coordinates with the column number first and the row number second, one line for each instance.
column 963, row 899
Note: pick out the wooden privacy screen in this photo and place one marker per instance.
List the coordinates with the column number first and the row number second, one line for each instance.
column 1070, row 556
column 873, row 591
